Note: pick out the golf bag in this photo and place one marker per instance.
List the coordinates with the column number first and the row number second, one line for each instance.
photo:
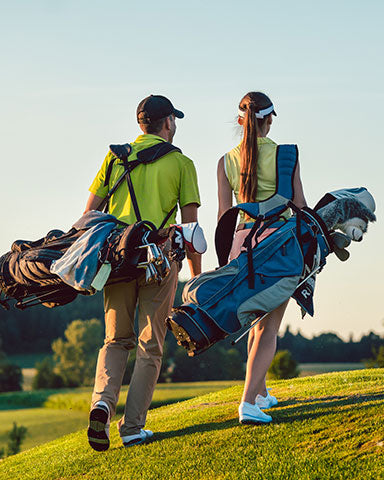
column 96, row 251
column 268, row 272
column 31, row 272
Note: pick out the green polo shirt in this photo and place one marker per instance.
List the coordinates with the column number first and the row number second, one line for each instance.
column 159, row 186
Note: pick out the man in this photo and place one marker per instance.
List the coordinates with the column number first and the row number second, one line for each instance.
column 158, row 186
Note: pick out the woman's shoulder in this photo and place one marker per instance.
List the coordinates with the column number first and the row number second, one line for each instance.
column 234, row 152
column 266, row 141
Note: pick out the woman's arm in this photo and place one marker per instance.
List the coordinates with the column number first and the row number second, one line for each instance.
column 224, row 189
column 298, row 192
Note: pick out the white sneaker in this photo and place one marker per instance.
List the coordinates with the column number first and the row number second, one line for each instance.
column 136, row 438
column 268, row 401
column 251, row 414
column 98, row 429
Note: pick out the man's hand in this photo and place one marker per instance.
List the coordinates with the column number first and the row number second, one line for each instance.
column 188, row 215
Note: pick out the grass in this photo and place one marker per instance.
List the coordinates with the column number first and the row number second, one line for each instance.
column 165, row 394
column 316, row 368
column 80, row 398
column 329, row 426
column 66, row 412
column 43, row 424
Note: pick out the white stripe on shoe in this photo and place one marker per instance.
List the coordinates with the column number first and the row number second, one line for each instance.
column 137, row 438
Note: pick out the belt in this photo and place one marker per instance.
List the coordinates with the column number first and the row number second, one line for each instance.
column 248, row 225
column 244, row 226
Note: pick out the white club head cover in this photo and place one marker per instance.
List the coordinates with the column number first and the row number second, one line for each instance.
column 193, row 237
column 367, row 199
column 354, row 228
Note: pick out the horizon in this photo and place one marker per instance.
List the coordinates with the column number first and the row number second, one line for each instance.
column 73, row 75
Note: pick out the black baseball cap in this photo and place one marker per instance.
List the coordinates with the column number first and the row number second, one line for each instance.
column 154, row 108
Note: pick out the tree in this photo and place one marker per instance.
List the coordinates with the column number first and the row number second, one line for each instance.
column 76, row 356
column 377, row 361
column 283, row 366
column 11, row 377
column 45, row 376
column 217, row 363
column 15, row 439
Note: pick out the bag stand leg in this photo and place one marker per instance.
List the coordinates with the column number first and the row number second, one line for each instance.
column 253, row 324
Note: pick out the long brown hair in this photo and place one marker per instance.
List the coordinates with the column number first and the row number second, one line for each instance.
column 250, row 104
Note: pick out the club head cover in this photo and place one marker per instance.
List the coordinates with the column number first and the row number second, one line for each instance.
column 193, row 236
column 340, row 242
column 341, row 253
column 354, row 228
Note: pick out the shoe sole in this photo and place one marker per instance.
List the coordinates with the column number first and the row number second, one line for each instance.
column 253, row 422
column 97, row 436
column 268, row 407
column 132, row 443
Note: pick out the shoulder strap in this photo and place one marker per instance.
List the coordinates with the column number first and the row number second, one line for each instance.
column 119, row 152
column 148, row 155
column 286, row 161
column 131, row 189
column 155, row 152
column 168, row 216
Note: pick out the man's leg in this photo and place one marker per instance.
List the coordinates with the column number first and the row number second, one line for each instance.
column 119, row 306
column 155, row 303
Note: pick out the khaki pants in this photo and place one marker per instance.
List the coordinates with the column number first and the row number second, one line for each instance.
column 120, row 300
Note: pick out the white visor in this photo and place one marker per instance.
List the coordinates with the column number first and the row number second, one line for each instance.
column 260, row 114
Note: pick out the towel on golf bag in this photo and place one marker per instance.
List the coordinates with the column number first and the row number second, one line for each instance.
column 222, row 301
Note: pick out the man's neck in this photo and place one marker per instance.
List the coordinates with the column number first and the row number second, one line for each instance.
column 163, row 135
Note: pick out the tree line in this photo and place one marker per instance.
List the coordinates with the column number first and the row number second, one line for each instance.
column 35, row 329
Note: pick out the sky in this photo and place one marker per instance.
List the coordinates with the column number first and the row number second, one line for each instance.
column 73, row 72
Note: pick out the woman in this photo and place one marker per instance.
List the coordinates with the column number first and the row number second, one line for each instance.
column 249, row 171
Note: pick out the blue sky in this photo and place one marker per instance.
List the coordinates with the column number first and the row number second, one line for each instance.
column 72, row 74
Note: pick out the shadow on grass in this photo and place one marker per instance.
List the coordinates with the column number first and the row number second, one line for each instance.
column 286, row 412
column 155, row 404
column 295, row 410
column 201, row 428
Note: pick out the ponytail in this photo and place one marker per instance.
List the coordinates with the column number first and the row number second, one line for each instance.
column 251, row 104
column 249, row 155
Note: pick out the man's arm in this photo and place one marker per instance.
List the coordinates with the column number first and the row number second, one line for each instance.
column 188, row 215
column 92, row 203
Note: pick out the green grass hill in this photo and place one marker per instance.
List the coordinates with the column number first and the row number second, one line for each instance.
column 328, row 426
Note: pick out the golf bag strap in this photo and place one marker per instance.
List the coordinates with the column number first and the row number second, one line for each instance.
column 121, row 152
column 132, row 190
column 271, row 208
column 248, row 245
column 148, row 155
column 167, row 217
column 256, row 231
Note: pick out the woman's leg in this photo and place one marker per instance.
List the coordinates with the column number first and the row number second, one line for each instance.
column 261, row 350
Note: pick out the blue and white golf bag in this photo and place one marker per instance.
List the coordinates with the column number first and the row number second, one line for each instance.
column 220, row 302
